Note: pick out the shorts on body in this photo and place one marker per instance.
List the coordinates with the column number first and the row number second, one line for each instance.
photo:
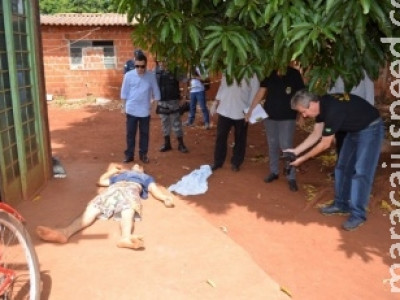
column 118, row 197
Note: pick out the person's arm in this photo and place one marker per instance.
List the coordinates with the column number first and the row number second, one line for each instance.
column 124, row 94
column 315, row 138
column 322, row 145
column 222, row 87
column 104, row 179
column 155, row 89
column 157, row 193
column 260, row 95
column 311, row 140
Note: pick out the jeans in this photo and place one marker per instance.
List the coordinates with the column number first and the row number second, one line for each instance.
column 199, row 97
column 132, row 123
column 355, row 169
column 280, row 135
column 224, row 126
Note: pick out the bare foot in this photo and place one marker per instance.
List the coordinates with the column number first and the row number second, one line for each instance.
column 51, row 235
column 169, row 202
column 134, row 242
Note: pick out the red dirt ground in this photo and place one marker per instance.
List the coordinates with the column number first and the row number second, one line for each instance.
column 283, row 233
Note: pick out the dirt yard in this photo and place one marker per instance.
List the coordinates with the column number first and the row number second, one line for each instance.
column 306, row 253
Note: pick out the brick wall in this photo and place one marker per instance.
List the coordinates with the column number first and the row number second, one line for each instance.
column 93, row 79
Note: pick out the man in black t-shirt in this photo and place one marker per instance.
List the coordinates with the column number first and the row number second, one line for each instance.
column 281, row 122
column 358, row 159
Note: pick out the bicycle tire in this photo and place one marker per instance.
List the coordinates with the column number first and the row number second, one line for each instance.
column 18, row 254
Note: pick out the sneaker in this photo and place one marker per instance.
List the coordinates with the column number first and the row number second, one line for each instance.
column 188, row 124
column 352, row 223
column 206, row 126
column 334, row 210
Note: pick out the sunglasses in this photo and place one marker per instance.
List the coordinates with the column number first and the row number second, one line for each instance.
column 140, row 66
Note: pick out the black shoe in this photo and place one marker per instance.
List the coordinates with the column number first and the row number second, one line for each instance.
column 293, row 185
column 144, row 158
column 271, row 177
column 182, row 148
column 127, row 160
column 235, row 168
column 215, row 167
column 165, row 148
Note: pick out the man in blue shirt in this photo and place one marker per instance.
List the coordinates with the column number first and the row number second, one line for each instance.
column 139, row 87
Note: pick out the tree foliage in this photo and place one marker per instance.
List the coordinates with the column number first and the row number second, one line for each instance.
column 327, row 38
column 76, row 6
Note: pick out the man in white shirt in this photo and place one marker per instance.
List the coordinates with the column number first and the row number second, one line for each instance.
column 231, row 101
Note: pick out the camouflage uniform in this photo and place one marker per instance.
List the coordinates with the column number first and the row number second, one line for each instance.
column 168, row 109
column 171, row 121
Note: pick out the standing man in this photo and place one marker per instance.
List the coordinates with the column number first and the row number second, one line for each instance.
column 230, row 102
column 138, row 88
column 281, row 122
column 168, row 106
column 355, row 168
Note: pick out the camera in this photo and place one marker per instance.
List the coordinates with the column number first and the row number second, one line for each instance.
column 289, row 157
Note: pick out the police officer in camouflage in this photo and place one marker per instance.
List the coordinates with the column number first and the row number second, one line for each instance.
column 168, row 107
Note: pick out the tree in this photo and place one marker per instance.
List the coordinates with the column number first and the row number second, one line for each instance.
column 76, row 6
column 327, row 38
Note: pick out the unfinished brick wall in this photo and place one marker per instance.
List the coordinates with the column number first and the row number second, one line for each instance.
column 93, row 79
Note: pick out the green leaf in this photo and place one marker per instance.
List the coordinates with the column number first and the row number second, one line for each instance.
column 211, row 44
column 194, row 36
column 365, row 6
column 239, row 47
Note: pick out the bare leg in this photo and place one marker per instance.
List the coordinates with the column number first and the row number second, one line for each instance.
column 128, row 240
column 61, row 235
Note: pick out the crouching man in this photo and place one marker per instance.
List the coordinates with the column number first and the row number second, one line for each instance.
column 358, row 159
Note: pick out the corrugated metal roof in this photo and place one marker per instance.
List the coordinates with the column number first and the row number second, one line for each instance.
column 85, row 19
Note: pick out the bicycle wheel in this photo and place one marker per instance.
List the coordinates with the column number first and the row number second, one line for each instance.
column 18, row 255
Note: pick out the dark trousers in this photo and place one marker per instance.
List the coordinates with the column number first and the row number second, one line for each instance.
column 132, row 123
column 224, row 126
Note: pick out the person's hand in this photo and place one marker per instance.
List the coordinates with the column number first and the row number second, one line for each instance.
column 122, row 108
column 247, row 116
column 115, row 168
column 213, row 108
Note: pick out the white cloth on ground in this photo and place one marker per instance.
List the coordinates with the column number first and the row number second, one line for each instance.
column 194, row 183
